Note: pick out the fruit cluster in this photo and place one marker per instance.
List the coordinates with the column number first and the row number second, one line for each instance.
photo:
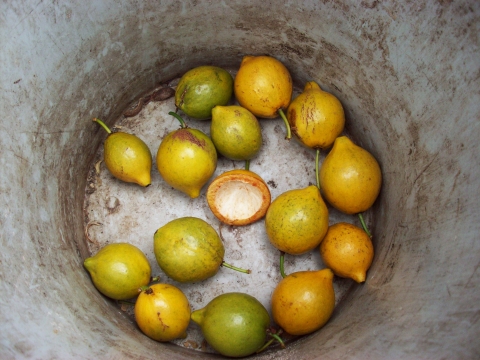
column 188, row 249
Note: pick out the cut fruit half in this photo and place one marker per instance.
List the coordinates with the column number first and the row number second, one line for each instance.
column 238, row 197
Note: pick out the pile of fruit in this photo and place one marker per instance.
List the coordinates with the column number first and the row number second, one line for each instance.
column 188, row 249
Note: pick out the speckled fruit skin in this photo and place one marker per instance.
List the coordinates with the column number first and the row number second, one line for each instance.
column 234, row 324
column 188, row 249
column 304, row 301
column 297, row 220
column 201, row 89
column 263, row 85
column 162, row 312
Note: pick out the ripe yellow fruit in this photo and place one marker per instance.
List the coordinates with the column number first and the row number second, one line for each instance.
column 316, row 117
column 119, row 270
column 348, row 251
column 297, row 220
column 350, row 177
column 238, row 197
column 162, row 312
column 304, row 301
column 263, row 85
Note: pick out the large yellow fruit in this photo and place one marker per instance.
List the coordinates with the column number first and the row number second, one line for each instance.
column 350, row 177
column 263, row 85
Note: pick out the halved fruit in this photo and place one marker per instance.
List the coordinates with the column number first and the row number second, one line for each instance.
column 238, row 197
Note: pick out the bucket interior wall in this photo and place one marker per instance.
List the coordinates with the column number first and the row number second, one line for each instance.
column 408, row 75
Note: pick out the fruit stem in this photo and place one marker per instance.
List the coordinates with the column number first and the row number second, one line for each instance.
column 269, row 342
column 364, row 225
column 287, row 125
column 102, row 124
column 247, row 164
column 179, row 118
column 317, row 161
column 224, row 264
column 282, row 264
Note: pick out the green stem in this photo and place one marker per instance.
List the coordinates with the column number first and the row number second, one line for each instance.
column 269, row 342
column 317, row 161
column 247, row 164
column 179, row 118
column 224, row 264
column 282, row 264
column 102, row 124
column 279, row 339
column 364, row 225
column 287, row 125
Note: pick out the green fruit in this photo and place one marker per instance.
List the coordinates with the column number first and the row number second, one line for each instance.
column 127, row 157
column 297, row 220
column 235, row 132
column 234, row 324
column 186, row 160
column 188, row 249
column 119, row 270
column 201, row 89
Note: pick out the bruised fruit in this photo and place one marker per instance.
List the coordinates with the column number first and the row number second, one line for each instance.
column 201, row 89
column 238, row 197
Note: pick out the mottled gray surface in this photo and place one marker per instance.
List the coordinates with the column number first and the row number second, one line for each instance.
column 408, row 75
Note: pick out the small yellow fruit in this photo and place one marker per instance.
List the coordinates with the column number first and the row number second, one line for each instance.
column 347, row 250
column 201, row 89
column 316, row 117
column 186, row 160
column 238, row 197
column 127, row 157
column 119, row 270
column 235, row 132
column 304, row 301
column 297, row 220
column 350, row 177
column 263, row 85
column 162, row 312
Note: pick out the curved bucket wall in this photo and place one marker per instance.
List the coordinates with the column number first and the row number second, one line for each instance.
column 408, row 75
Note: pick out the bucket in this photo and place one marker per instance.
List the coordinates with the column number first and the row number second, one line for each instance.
column 407, row 75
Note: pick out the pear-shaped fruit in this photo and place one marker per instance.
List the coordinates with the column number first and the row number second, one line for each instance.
column 238, row 197
column 234, row 324
column 316, row 117
column 350, row 177
column 119, row 270
column 188, row 249
column 127, row 157
column 303, row 301
column 162, row 312
column 347, row 250
column 201, row 89
column 235, row 132
column 187, row 159
column 297, row 220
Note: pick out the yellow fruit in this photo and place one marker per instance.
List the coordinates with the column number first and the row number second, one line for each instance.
column 186, row 160
column 347, row 250
column 316, row 117
column 201, row 89
column 162, row 312
column 263, row 85
column 119, row 270
column 235, row 132
column 238, row 197
column 234, row 324
column 350, row 177
column 188, row 249
column 304, row 301
column 297, row 220
column 127, row 157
